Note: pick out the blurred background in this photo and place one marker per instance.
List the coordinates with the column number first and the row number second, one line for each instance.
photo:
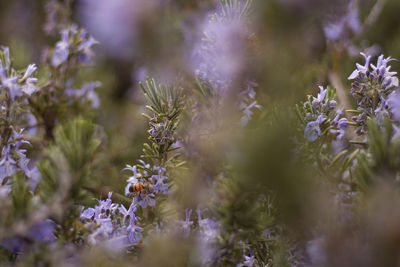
column 298, row 44
column 295, row 46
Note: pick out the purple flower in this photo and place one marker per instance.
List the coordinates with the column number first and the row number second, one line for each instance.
column 360, row 68
column 333, row 30
column 105, row 229
column 29, row 88
column 32, row 122
column 332, row 104
column 29, row 71
column 8, row 166
column 339, row 125
column 208, row 228
column 33, row 175
column 186, row 225
column 61, row 51
column 131, row 211
column 88, row 214
column 43, row 231
column 207, row 234
column 11, row 84
column 84, row 48
column 160, row 186
column 249, row 261
column 87, row 44
column 134, row 233
column 91, row 95
column 147, row 200
column 86, row 93
column 320, row 99
column 147, row 166
column 108, row 202
column 382, row 71
column 312, row 130
column 133, row 169
column 371, row 86
column 218, row 55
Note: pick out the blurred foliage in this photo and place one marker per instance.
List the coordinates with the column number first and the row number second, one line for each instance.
column 260, row 179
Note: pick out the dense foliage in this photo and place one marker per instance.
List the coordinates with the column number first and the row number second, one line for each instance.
column 176, row 133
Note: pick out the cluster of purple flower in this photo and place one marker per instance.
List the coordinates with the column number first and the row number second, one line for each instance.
column 111, row 224
column 75, row 48
column 16, row 88
column 74, row 41
column 205, row 232
column 322, row 117
column 23, row 103
column 220, row 55
column 154, row 177
column 371, row 87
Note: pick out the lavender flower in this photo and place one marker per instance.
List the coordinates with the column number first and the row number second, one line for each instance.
column 43, row 231
column 30, row 87
column 131, row 212
column 186, row 225
column 147, row 200
column 17, row 89
column 8, row 166
column 15, row 84
column 207, row 236
column 29, row 71
column 85, row 48
column 339, row 125
column 313, row 130
column 61, row 51
column 319, row 116
column 371, row 87
column 335, row 30
column 114, row 224
column 217, row 58
column 160, row 186
column 378, row 78
column 11, row 84
column 134, row 233
column 89, row 213
column 320, row 99
column 86, row 93
column 74, row 41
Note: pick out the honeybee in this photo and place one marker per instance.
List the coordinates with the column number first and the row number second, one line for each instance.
column 138, row 188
